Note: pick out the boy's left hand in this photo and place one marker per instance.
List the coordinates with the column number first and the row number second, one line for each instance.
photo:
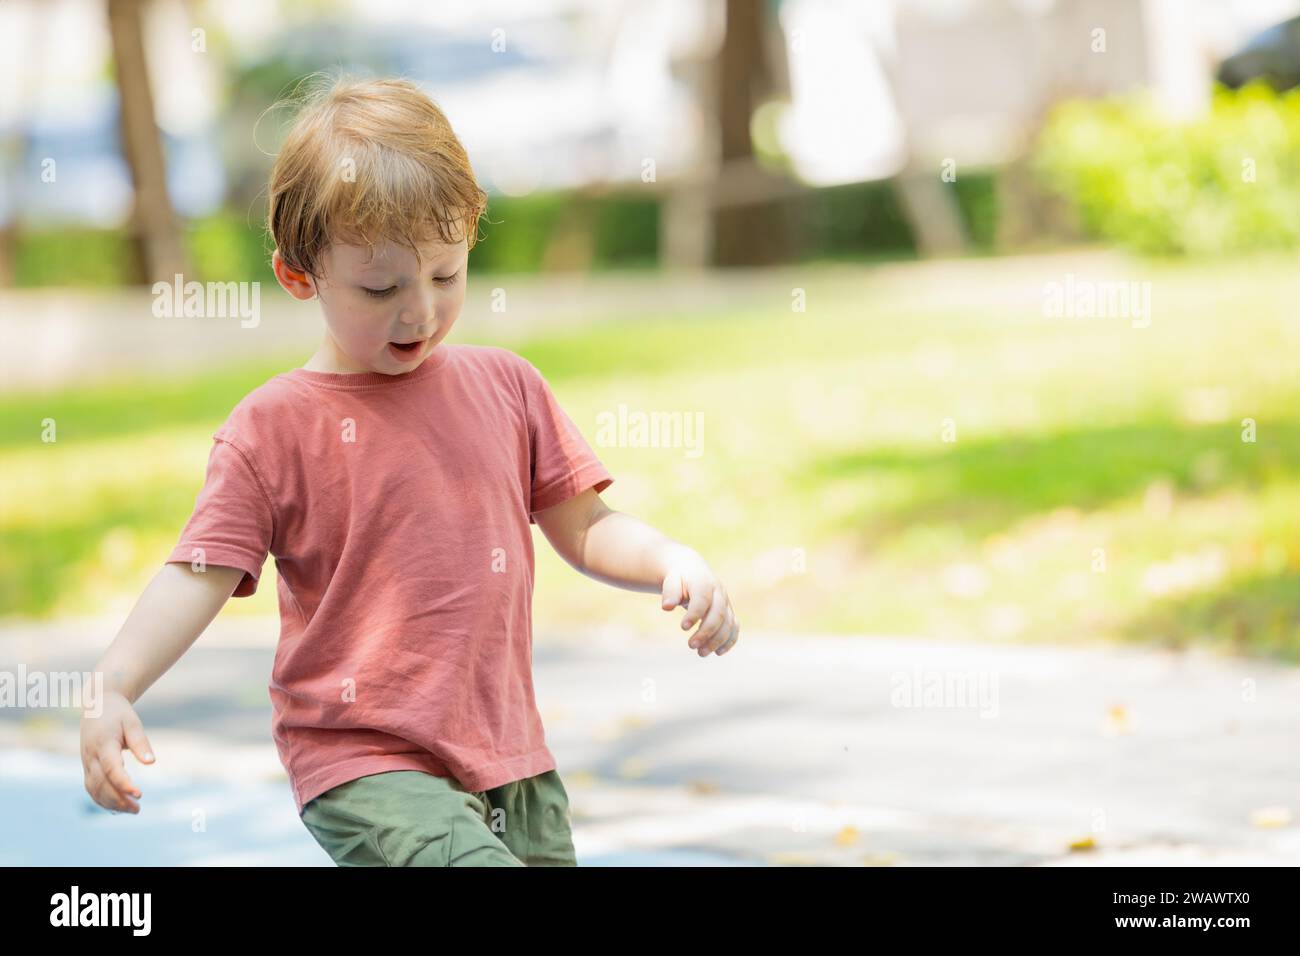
column 691, row 582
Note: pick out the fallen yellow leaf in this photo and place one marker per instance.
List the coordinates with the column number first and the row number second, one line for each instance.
column 880, row 859
column 580, row 778
column 1270, row 817
column 1117, row 720
column 847, row 836
column 39, row 723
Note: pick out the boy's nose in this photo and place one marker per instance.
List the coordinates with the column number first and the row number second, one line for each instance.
column 420, row 311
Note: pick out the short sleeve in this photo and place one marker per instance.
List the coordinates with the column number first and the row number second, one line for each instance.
column 233, row 522
column 563, row 464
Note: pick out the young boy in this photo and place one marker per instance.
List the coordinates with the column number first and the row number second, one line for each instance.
column 394, row 478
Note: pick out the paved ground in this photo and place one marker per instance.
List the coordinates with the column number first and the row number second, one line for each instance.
column 71, row 335
column 74, row 335
column 791, row 750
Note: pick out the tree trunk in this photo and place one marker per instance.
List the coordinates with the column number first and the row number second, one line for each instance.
column 160, row 253
column 761, row 232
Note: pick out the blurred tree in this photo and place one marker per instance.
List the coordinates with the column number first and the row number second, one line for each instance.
column 37, row 35
column 730, row 209
column 154, row 228
column 753, row 229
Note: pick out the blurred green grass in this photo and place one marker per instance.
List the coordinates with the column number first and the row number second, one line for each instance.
column 1097, row 488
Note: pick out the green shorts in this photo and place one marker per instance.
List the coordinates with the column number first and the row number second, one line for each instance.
column 412, row 818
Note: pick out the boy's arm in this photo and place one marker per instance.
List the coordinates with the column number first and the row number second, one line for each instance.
column 174, row 609
column 623, row 551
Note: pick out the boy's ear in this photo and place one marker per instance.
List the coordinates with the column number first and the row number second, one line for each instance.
column 297, row 283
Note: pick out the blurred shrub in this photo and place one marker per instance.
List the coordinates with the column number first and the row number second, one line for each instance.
column 1226, row 181
column 72, row 257
column 228, row 247
column 595, row 230
column 616, row 230
column 977, row 198
column 866, row 219
column 854, row 220
column 221, row 247
column 514, row 236
column 619, row 231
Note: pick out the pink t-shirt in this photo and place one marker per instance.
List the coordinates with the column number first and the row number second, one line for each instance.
column 397, row 508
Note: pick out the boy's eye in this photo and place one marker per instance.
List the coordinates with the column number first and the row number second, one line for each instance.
column 385, row 293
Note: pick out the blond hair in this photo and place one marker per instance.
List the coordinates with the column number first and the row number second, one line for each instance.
column 368, row 160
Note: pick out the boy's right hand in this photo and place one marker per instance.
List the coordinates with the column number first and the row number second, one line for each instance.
column 103, row 739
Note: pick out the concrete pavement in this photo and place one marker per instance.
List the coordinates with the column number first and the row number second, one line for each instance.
column 792, row 750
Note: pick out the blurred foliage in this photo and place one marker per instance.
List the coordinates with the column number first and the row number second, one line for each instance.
column 226, row 247
column 603, row 231
column 977, row 198
column 521, row 234
column 1227, row 181
column 853, row 220
column 72, row 257
column 866, row 220
column 616, row 231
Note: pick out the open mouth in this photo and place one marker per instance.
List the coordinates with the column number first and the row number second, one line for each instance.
column 408, row 350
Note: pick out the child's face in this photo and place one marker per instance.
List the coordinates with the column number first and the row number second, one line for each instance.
column 373, row 298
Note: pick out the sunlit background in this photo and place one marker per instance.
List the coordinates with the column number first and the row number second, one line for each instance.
column 834, row 230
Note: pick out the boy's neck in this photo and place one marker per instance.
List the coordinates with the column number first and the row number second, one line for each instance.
column 328, row 358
